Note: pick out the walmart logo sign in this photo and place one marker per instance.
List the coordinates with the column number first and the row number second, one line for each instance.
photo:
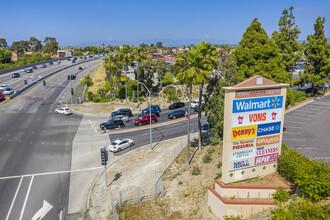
column 247, row 105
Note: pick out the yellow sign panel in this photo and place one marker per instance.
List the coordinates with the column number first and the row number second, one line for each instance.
column 97, row 63
column 244, row 132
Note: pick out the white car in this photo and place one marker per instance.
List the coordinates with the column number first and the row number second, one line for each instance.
column 23, row 70
column 64, row 111
column 124, row 118
column 194, row 103
column 120, row 144
column 3, row 87
column 8, row 91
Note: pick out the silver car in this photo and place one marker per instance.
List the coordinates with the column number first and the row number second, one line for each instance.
column 120, row 144
column 124, row 118
column 8, row 91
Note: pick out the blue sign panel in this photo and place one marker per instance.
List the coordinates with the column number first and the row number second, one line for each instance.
column 270, row 128
column 247, row 105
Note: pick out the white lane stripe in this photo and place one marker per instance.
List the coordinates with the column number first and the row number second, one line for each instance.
column 12, row 203
column 61, row 213
column 26, row 198
column 293, row 139
column 35, row 110
column 51, row 173
column 92, row 125
column 286, row 132
column 295, row 122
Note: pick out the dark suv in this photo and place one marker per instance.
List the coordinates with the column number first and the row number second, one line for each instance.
column 112, row 123
column 176, row 105
column 124, row 111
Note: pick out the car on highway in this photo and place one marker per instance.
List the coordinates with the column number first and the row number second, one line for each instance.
column 176, row 114
column 194, row 103
column 124, row 118
column 50, row 63
column 72, row 77
column 3, row 87
column 59, row 62
column 80, row 68
column 176, row 105
column 153, row 108
column 123, row 111
column 8, row 91
column 120, row 144
column 34, row 67
column 29, row 70
column 145, row 119
column 68, row 59
column 2, row 96
column 153, row 111
column 64, row 111
column 43, row 65
column 15, row 75
column 23, row 70
column 112, row 123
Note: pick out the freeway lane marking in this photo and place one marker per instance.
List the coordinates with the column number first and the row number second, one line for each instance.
column 12, row 203
column 26, row 197
column 51, row 173
column 46, row 207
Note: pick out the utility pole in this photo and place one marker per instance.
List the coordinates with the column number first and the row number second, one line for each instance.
column 138, row 98
column 149, row 112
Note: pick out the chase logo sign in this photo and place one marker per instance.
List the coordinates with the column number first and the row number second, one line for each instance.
column 270, row 128
column 247, row 105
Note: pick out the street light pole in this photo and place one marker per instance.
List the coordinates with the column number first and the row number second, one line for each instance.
column 149, row 113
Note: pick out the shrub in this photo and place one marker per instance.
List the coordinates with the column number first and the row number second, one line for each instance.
column 215, row 141
column 219, row 164
column 195, row 171
column 300, row 99
column 90, row 95
column 96, row 99
column 300, row 208
column 311, row 176
column 186, row 194
column 218, row 176
column 207, row 158
column 141, row 99
column 135, row 100
column 281, row 195
column 180, row 182
column 210, row 150
column 231, row 217
column 298, row 94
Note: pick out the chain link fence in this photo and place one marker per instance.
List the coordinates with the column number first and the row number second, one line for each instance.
column 152, row 191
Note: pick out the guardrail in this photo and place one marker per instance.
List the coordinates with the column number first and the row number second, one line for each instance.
column 18, row 92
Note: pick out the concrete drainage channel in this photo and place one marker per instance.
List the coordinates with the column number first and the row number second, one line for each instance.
column 18, row 92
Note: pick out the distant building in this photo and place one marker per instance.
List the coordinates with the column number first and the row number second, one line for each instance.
column 60, row 54
column 170, row 61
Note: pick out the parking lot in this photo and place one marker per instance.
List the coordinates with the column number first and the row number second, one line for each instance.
column 307, row 129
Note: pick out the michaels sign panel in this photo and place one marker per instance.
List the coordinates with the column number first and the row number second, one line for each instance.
column 257, row 104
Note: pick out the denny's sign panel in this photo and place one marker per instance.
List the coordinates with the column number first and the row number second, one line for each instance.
column 254, row 113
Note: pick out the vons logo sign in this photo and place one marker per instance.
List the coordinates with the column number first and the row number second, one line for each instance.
column 257, row 104
column 244, row 132
column 258, row 117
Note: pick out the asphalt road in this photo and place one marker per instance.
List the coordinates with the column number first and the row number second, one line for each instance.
column 142, row 137
column 35, row 150
column 307, row 129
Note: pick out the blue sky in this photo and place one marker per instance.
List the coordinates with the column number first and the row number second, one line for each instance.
column 93, row 22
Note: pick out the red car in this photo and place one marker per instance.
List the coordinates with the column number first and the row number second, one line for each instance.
column 2, row 96
column 145, row 119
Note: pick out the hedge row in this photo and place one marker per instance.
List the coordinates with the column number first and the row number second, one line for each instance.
column 312, row 177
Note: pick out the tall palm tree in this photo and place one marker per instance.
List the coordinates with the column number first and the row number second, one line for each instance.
column 139, row 55
column 126, row 58
column 111, row 67
column 210, row 53
column 192, row 70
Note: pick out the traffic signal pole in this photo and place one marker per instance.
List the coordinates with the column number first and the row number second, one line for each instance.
column 104, row 159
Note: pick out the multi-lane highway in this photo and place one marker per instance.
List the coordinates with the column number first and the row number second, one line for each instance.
column 35, row 145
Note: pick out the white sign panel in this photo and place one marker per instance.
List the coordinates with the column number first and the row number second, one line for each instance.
column 257, row 117
column 241, row 154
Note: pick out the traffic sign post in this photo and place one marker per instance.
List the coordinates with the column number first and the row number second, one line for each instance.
column 104, row 160
column 253, row 125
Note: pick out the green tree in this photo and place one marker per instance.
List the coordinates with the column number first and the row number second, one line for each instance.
column 5, row 56
column 35, row 44
column 146, row 71
column 211, row 55
column 111, row 66
column 317, row 52
column 51, row 45
column 159, row 45
column 259, row 55
column 193, row 69
column 139, row 55
column 3, row 43
column 286, row 40
column 168, row 79
column 125, row 57
column 20, row 47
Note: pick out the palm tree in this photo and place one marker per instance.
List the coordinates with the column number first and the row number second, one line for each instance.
column 111, row 66
column 126, row 58
column 192, row 70
column 210, row 53
column 139, row 55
